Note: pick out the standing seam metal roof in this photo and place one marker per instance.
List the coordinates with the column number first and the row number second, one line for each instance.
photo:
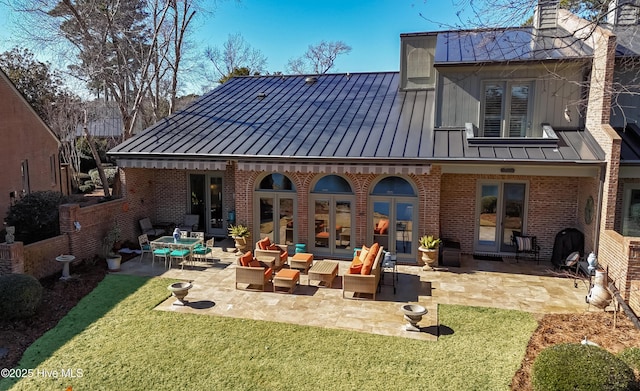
column 361, row 116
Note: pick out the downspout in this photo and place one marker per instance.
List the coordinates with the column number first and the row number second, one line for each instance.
column 599, row 203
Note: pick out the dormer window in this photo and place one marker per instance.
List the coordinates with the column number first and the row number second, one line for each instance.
column 416, row 63
column 506, row 109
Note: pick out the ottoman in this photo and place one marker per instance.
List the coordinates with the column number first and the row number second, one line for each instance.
column 301, row 261
column 286, row 278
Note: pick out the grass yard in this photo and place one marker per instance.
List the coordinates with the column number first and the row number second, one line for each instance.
column 113, row 339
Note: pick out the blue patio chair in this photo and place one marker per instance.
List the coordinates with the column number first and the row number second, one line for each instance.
column 201, row 251
column 160, row 251
column 179, row 253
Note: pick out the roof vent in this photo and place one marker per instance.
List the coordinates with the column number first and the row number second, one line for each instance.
column 261, row 95
column 310, row 79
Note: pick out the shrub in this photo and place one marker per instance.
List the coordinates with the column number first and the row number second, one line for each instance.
column 632, row 357
column 110, row 172
column 88, row 188
column 20, row 296
column 36, row 216
column 580, row 367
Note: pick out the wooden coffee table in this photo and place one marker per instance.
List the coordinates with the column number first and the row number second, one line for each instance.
column 323, row 271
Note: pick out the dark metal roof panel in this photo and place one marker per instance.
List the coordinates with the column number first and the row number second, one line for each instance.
column 627, row 39
column 361, row 116
column 572, row 146
column 508, row 44
column 630, row 145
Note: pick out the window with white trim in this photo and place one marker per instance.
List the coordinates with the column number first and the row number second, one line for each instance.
column 506, row 108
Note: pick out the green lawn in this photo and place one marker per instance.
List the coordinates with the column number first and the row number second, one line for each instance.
column 118, row 342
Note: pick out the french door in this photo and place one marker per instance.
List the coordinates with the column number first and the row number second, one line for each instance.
column 276, row 213
column 393, row 225
column 333, row 219
column 206, row 201
column 501, row 209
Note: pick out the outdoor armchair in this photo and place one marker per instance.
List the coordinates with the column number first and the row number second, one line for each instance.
column 190, row 223
column 149, row 229
column 266, row 251
column 251, row 272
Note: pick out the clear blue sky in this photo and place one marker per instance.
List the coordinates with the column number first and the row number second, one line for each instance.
column 283, row 29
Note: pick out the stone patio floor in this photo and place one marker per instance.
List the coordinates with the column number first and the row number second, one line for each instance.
column 524, row 286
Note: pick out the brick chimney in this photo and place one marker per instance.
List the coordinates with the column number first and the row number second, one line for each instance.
column 623, row 12
column 546, row 14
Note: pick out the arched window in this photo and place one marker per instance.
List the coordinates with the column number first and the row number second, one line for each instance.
column 332, row 184
column 394, row 185
column 277, row 182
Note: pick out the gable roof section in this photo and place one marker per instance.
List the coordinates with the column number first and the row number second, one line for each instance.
column 507, row 45
column 21, row 97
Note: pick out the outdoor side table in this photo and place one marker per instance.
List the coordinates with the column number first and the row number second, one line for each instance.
column 390, row 266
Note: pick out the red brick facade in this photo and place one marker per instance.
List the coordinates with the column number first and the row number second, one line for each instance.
column 26, row 143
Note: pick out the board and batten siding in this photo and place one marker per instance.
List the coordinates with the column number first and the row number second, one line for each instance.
column 460, row 92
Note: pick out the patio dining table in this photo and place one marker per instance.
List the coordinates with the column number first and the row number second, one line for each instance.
column 169, row 241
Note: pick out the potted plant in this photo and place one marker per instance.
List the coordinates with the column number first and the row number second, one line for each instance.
column 110, row 246
column 429, row 249
column 240, row 233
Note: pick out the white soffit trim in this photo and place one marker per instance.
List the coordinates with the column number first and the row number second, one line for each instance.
column 172, row 164
column 514, row 169
column 316, row 168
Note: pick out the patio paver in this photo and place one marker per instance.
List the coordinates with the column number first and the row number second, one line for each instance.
column 522, row 286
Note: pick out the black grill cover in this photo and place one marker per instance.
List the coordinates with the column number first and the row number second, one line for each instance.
column 567, row 241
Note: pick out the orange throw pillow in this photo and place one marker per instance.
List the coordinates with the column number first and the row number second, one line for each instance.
column 264, row 244
column 255, row 263
column 371, row 257
column 356, row 269
column 246, row 258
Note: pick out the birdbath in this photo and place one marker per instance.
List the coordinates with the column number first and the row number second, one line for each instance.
column 413, row 314
column 179, row 291
column 65, row 260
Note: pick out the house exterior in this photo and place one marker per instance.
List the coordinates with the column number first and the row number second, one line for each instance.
column 481, row 133
column 29, row 150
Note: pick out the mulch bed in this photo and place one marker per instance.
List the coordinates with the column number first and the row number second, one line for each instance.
column 57, row 299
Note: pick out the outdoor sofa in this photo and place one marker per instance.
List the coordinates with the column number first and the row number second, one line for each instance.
column 363, row 275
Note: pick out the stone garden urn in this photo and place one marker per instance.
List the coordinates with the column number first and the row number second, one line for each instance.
column 179, row 290
column 413, row 315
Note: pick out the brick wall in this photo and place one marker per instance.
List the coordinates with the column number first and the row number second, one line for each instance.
column 39, row 257
column 553, row 206
column 620, row 256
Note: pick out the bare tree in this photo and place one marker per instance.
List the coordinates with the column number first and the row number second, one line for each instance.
column 125, row 48
column 319, row 58
column 236, row 53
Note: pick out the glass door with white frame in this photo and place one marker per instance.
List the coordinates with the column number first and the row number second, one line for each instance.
column 501, row 210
